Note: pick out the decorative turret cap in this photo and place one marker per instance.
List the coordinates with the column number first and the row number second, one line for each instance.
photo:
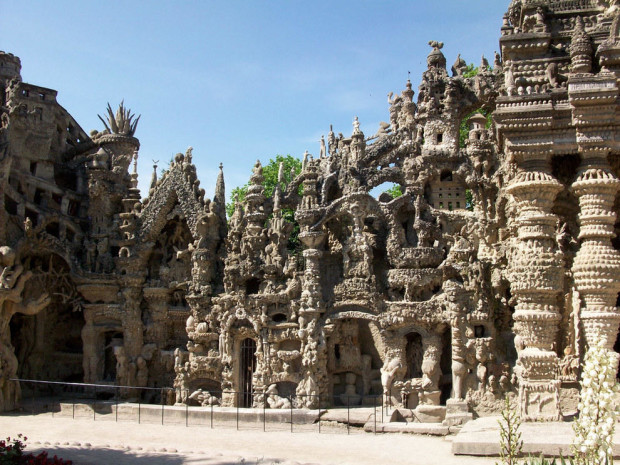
column 436, row 58
column 408, row 93
column 580, row 49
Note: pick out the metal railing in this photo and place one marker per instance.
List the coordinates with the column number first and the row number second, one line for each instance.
column 148, row 404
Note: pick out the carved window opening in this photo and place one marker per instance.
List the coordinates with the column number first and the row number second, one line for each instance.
column 247, row 368
column 439, row 137
column 446, row 176
column 279, row 318
column 337, row 351
column 33, row 168
column 252, row 286
column 480, row 331
column 38, row 196
column 414, row 353
column 53, row 228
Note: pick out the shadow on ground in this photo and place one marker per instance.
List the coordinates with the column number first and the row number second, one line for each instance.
column 105, row 456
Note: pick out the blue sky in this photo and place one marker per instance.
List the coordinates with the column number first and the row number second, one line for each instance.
column 238, row 80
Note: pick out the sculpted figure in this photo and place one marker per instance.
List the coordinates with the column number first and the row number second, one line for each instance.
column 389, row 371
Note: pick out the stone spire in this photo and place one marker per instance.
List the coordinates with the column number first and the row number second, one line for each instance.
column 219, row 199
column 277, row 193
column 580, row 49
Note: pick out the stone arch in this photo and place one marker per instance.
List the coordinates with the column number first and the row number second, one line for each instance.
column 173, row 189
column 47, row 344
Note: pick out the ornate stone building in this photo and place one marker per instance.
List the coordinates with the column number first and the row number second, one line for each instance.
column 492, row 273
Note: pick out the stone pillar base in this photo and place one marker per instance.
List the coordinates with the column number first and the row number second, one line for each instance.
column 457, row 412
column 540, row 400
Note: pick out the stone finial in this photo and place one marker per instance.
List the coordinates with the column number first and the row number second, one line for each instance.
column 281, row 173
column 580, row 49
column 408, row 93
column 436, row 58
column 154, row 175
column 121, row 123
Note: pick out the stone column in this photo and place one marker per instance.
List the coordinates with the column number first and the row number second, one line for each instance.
column 157, row 300
column 536, row 269
column 596, row 269
column 314, row 357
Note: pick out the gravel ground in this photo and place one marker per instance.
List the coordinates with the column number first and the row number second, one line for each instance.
column 88, row 442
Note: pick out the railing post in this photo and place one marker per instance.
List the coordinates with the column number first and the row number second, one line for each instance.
column 291, row 402
column 375, row 415
column 382, row 396
column 237, row 397
column 211, row 414
column 319, row 413
column 348, row 415
column 264, row 411
column 139, row 405
column 186, row 407
column 116, row 403
column 162, row 406
column 34, row 396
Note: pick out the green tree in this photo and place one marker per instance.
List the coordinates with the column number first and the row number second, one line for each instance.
column 395, row 191
column 292, row 167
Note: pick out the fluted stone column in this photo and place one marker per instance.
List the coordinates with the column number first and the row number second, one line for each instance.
column 536, row 269
column 596, row 269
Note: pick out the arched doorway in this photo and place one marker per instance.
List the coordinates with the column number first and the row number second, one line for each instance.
column 247, row 368
column 414, row 354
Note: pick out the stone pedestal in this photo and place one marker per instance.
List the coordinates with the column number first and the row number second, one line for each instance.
column 457, row 413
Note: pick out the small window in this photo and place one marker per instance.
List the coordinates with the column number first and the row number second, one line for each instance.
column 450, row 206
column 38, row 196
column 33, row 168
column 440, row 196
column 458, row 194
column 25, row 93
column 479, row 331
column 440, row 204
column 41, row 96
column 279, row 318
column 439, row 137
column 458, row 204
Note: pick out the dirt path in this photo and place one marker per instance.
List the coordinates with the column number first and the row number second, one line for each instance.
column 88, row 442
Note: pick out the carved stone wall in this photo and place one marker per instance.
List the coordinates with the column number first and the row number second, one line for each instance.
column 493, row 272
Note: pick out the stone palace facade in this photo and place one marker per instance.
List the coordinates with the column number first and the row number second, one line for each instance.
column 492, row 273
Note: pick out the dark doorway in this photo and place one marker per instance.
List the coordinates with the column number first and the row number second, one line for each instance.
column 112, row 339
column 415, row 353
column 248, row 365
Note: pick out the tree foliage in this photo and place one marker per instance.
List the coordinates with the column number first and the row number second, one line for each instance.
column 395, row 191
column 292, row 167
